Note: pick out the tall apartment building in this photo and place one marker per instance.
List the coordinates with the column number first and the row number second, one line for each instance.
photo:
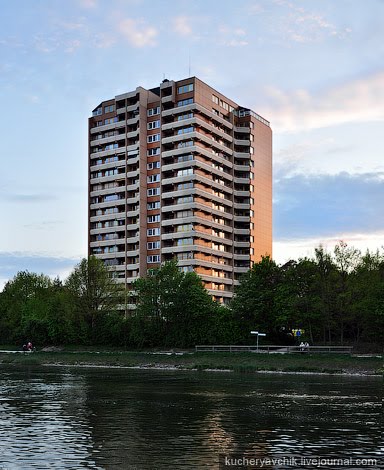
column 180, row 171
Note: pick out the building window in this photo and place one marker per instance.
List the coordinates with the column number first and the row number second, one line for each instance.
column 153, row 259
column 186, row 269
column 111, row 197
column 184, row 200
column 153, row 111
column 215, row 99
column 154, row 151
column 153, row 192
column 152, row 165
column 153, row 138
column 153, row 218
column 182, row 186
column 153, row 245
column 181, row 145
column 185, row 172
column 153, row 125
column 153, row 232
column 185, row 130
column 184, row 228
column 153, row 205
column 185, row 255
column 185, row 88
column 184, row 158
column 97, row 112
column 181, row 117
column 184, row 241
column 184, row 214
column 109, row 109
column 153, row 178
column 185, row 102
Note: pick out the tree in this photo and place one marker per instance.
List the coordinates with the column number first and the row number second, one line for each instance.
column 94, row 292
column 173, row 309
column 23, row 303
column 254, row 303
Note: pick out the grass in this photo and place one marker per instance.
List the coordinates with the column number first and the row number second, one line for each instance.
column 239, row 362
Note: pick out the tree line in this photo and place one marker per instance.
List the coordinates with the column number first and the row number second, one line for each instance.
column 334, row 298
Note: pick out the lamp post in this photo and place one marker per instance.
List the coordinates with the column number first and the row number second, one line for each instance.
column 257, row 335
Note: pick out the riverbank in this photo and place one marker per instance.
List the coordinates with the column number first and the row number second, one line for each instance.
column 238, row 362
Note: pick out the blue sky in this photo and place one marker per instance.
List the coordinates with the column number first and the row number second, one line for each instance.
column 315, row 69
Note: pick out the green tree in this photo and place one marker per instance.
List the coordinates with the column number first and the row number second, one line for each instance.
column 254, row 303
column 23, row 307
column 173, row 309
column 94, row 292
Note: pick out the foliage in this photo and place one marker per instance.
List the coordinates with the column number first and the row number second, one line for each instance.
column 333, row 297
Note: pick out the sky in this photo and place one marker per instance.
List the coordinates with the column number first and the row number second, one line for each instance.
column 313, row 68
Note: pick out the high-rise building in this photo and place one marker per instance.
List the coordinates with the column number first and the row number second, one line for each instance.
column 180, row 171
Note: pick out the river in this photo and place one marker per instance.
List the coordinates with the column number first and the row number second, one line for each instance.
column 104, row 418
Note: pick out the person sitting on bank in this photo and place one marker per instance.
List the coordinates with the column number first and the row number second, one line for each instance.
column 302, row 347
column 306, row 346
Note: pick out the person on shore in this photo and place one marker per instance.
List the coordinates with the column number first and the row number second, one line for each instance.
column 302, row 347
column 306, row 346
column 29, row 346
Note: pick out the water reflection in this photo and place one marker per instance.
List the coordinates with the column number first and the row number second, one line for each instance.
column 121, row 419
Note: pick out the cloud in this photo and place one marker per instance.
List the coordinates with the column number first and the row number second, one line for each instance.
column 13, row 262
column 182, row 25
column 88, row 3
column 29, row 198
column 324, row 205
column 284, row 250
column 360, row 100
column 302, row 26
column 137, row 33
column 232, row 37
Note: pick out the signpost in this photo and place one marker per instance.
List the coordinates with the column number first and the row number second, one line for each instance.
column 257, row 335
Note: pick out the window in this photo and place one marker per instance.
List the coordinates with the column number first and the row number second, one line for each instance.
column 154, row 151
column 215, row 99
column 185, row 130
column 109, row 109
column 184, row 228
column 185, row 102
column 153, row 138
column 185, row 88
column 184, row 241
column 186, row 269
column 153, row 125
column 184, row 158
column 153, row 218
column 153, row 245
column 184, row 214
column 111, row 146
column 152, row 165
column 111, row 120
column 181, row 145
column 153, row 111
column 153, row 259
column 97, row 112
column 111, row 197
column 181, row 117
column 184, row 200
column 153, row 192
column 153, row 232
column 153, row 205
column 185, row 255
column 182, row 186
column 153, row 178
column 185, row 172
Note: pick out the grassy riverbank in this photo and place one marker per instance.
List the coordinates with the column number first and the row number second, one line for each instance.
column 240, row 362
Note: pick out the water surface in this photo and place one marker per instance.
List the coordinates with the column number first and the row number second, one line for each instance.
column 105, row 418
